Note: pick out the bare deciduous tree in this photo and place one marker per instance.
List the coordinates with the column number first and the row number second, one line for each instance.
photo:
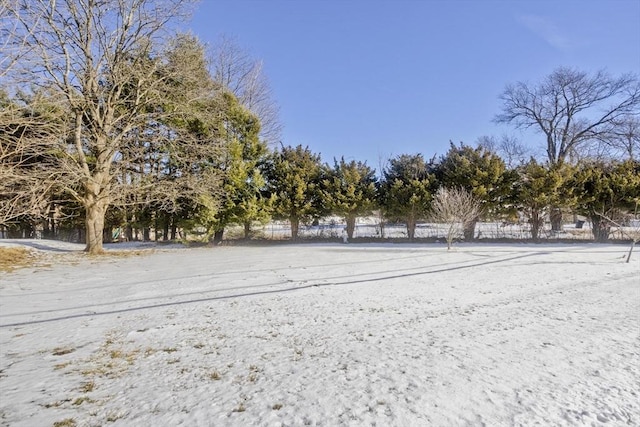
column 244, row 76
column 512, row 151
column 11, row 46
column 570, row 108
column 104, row 59
column 625, row 138
column 454, row 207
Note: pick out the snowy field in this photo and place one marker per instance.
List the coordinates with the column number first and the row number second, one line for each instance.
column 322, row 334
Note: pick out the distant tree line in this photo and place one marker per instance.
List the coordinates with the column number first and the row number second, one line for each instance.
column 108, row 120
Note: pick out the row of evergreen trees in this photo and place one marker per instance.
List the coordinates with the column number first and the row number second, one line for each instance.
column 293, row 183
column 301, row 188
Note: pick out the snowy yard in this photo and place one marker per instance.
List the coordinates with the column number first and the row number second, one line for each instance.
column 323, row 334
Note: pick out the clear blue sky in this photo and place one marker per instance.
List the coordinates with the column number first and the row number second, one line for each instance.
column 370, row 79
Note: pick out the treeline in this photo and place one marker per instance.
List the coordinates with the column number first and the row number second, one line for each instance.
column 107, row 122
column 257, row 185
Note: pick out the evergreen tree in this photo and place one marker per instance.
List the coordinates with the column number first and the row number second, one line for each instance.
column 293, row 179
column 405, row 191
column 243, row 200
column 603, row 191
column 538, row 188
column 479, row 171
column 349, row 190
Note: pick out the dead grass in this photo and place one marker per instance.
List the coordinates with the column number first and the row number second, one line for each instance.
column 80, row 400
column 122, row 253
column 60, row 351
column 67, row 422
column 88, row 386
column 14, row 258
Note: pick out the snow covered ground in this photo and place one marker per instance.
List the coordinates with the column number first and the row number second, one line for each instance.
column 322, row 334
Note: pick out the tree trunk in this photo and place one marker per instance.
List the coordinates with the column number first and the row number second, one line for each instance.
column 556, row 219
column 247, row 229
column 536, row 223
column 46, row 231
column 217, row 236
column 52, row 219
column 107, row 234
column 469, row 230
column 633, row 243
column 165, row 227
column 295, row 225
column 174, row 228
column 411, row 227
column 156, row 227
column 451, row 233
column 600, row 229
column 128, row 233
column 381, row 220
column 94, row 221
column 128, row 229
column 351, row 225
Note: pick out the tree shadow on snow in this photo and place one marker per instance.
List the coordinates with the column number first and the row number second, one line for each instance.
column 43, row 247
column 384, row 277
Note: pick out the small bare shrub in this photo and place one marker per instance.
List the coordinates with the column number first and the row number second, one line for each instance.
column 457, row 208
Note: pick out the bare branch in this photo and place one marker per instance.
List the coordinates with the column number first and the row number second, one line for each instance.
column 570, row 107
column 244, row 76
column 456, row 208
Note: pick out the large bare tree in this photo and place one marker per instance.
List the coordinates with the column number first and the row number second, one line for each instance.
column 235, row 69
column 571, row 108
column 104, row 60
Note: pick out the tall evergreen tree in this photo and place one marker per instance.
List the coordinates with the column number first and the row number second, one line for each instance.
column 538, row 188
column 349, row 190
column 293, row 177
column 244, row 200
column 479, row 171
column 406, row 190
column 604, row 191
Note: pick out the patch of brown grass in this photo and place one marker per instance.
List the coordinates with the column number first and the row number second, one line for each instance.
column 67, row 422
column 14, row 258
column 61, row 351
column 123, row 253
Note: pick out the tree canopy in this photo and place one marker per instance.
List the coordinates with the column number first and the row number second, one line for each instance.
column 571, row 108
column 349, row 190
column 406, row 190
column 294, row 175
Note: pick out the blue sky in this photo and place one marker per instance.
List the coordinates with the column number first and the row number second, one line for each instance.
column 369, row 80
